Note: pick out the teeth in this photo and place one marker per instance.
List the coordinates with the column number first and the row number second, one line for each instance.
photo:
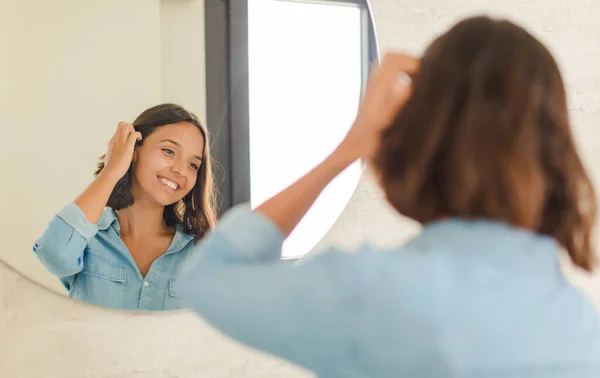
column 169, row 183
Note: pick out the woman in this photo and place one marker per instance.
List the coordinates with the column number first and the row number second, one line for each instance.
column 479, row 150
column 119, row 243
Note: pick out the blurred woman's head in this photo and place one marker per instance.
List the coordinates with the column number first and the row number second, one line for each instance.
column 486, row 134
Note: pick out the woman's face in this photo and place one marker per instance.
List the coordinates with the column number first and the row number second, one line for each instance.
column 167, row 163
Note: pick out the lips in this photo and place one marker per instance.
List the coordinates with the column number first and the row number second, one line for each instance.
column 169, row 183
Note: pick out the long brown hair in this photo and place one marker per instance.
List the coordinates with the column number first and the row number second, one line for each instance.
column 196, row 211
column 486, row 134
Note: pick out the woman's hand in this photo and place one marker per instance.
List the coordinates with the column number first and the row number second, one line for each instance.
column 120, row 150
column 388, row 88
column 116, row 163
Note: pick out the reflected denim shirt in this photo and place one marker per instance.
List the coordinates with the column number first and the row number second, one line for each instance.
column 464, row 298
column 95, row 266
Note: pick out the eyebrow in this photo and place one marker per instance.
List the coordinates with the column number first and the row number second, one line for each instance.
column 179, row 145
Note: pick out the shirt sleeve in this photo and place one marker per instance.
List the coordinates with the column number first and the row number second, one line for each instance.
column 61, row 246
column 303, row 313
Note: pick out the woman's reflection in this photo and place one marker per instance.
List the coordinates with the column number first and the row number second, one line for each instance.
column 119, row 243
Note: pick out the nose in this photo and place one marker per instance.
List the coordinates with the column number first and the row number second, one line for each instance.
column 178, row 167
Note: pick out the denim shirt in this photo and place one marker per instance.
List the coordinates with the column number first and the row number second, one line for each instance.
column 94, row 264
column 462, row 299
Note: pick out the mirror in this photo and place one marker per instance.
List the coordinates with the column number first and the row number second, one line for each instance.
column 273, row 82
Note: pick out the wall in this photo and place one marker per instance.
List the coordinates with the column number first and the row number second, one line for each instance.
column 42, row 334
column 182, row 51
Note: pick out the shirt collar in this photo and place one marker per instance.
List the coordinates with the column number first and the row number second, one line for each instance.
column 109, row 218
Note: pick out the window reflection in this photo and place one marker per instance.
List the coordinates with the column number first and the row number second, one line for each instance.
column 305, row 75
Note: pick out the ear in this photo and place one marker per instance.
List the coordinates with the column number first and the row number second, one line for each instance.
column 135, row 154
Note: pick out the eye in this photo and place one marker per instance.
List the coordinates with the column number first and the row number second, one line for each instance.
column 168, row 152
column 195, row 166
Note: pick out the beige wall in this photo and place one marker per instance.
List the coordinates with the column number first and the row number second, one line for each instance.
column 182, row 50
column 43, row 335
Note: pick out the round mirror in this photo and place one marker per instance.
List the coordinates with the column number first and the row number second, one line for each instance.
column 231, row 100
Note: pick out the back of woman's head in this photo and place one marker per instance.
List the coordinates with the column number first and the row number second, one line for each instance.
column 486, row 134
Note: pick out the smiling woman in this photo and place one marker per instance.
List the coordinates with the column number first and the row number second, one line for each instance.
column 120, row 242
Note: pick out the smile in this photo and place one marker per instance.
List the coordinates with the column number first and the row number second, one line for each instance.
column 172, row 185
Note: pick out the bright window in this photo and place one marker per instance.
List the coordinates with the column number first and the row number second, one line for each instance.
column 305, row 79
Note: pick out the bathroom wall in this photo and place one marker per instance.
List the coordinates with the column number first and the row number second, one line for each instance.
column 43, row 335
column 183, row 79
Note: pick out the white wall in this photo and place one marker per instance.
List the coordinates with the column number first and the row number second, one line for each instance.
column 182, row 50
column 43, row 335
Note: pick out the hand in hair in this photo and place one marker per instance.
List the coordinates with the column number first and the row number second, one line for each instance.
column 118, row 159
column 120, row 150
column 389, row 87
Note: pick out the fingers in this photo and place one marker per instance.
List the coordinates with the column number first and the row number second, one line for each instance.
column 119, row 132
column 132, row 138
column 394, row 62
column 122, row 133
column 397, row 70
column 394, row 73
column 126, row 129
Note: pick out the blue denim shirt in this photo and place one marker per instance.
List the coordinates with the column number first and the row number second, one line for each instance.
column 95, row 266
column 462, row 299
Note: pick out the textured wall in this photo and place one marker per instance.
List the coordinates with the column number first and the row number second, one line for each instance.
column 44, row 335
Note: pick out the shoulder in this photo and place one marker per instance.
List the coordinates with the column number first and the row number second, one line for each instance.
column 373, row 285
column 107, row 219
column 369, row 266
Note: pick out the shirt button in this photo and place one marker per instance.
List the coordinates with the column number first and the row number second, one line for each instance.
column 145, row 283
